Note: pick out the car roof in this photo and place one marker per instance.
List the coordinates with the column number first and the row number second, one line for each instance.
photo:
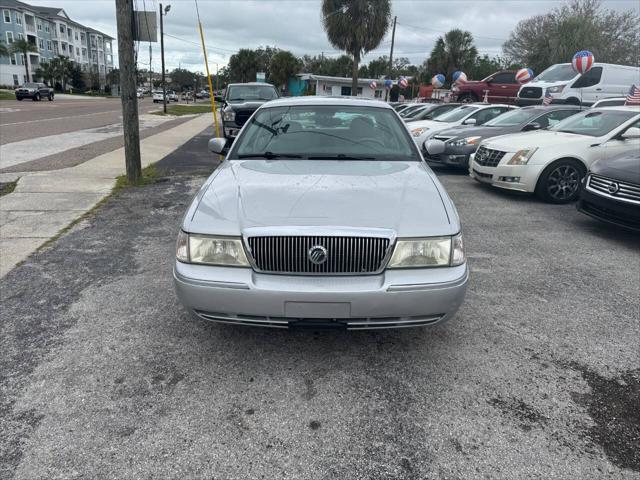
column 326, row 100
column 546, row 108
column 250, row 83
column 622, row 108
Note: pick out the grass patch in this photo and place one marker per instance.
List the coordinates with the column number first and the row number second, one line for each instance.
column 7, row 95
column 184, row 110
column 149, row 175
column 7, row 188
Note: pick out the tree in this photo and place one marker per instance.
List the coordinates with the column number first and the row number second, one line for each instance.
column 4, row 50
column 47, row 71
column 243, row 66
column 182, row 79
column 283, row 65
column 113, row 77
column 356, row 26
column 77, row 78
column 454, row 51
column 62, row 67
column 24, row 47
column 554, row 37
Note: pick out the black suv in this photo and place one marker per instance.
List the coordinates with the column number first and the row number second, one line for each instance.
column 34, row 91
column 239, row 103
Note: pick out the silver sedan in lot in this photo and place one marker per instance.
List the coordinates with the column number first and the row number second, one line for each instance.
column 323, row 214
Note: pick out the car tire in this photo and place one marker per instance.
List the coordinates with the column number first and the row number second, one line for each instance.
column 561, row 181
column 50, row 97
column 19, row 99
column 467, row 98
column 36, row 97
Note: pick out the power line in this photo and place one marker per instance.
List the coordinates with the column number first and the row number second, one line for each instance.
column 441, row 32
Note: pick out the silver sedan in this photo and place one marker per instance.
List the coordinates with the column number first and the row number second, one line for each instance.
column 323, row 214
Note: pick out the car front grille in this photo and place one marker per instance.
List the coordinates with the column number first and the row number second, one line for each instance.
column 530, row 92
column 488, row 157
column 624, row 191
column 442, row 139
column 242, row 116
column 338, row 255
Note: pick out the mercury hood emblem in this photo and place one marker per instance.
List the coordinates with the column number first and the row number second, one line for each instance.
column 317, row 255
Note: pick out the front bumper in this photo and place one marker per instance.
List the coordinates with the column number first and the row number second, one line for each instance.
column 231, row 129
column 454, row 156
column 622, row 214
column 521, row 178
column 395, row 298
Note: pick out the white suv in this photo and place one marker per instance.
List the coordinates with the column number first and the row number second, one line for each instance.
column 553, row 162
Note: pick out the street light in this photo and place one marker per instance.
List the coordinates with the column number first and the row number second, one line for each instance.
column 164, row 85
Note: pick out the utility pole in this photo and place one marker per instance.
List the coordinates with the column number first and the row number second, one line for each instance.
column 393, row 39
column 150, row 72
column 124, row 16
column 164, row 85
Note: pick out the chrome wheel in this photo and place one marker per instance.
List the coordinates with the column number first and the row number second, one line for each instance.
column 563, row 182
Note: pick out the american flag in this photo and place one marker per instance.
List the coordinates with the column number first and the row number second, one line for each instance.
column 633, row 97
column 547, row 98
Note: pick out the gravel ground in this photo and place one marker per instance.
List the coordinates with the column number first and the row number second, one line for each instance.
column 103, row 375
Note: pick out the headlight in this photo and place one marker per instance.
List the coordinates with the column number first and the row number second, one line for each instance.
column 205, row 249
column 522, row 157
column 32, row 90
column 466, row 141
column 416, row 132
column 428, row 252
column 556, row 89
column 229, row 116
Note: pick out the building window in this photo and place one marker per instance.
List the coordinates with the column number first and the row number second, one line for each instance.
column 61, row 28
column 84, row 52
column 16, row 82
column 20, row 36
column 76, row 35
column 64, row 47
column 82, row 37
column 55, row 48
column 78, row 51
column 69, row 32
column 39, row 26
column 18, row 18
column 7, row 16
column 345, row 91
column 49, row 45
column 13, row 59
column 41, row 43
column 46, row 27
column 9, row 37
column 378, row 94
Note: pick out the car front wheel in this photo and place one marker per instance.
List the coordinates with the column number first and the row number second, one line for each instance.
column 51, row 97
column 467, row 98
column 560, row 181
column 36, row 97
column 19, row 99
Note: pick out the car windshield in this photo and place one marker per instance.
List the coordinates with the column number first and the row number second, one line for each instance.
column 557, row 73
column 407, row 112
column 512, row 118
column 331, row 132
column 240, row 93
column 456, row 114
column 593, row 124
column 31, row 85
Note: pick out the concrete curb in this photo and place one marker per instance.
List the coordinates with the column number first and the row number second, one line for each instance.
column 44, row 203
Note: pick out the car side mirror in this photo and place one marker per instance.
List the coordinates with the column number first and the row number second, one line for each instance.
column 469, row 121
column 434, row 147
column 532, row 126
column 631, row 133
column 217, row 144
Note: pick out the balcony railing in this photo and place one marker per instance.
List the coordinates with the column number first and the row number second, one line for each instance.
column 29, row 28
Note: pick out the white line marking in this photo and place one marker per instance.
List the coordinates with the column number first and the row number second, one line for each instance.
column 59, row 118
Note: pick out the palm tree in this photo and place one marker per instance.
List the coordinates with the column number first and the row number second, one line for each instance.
column 357, row 27
column 47, row 71
column 454, row 51
column 4, row 51
column 24, row 47
column 63, row 70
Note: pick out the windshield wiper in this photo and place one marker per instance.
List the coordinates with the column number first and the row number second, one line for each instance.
column 340, row 156
column 269, row 155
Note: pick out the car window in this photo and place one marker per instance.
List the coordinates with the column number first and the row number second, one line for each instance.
column 557, row 73
column 434, row 112
column 325, row 131
column 512, row 118
column 617, row 102
column 589, row 79
column 550, row 119
column 456, row 114
column 239, row 93
column 487, row 114
column 505, row 77
column 593, row 123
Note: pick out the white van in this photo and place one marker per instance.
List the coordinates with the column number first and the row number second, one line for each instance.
column 566, row 86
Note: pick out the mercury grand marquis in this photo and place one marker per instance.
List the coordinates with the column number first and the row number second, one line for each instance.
column 323, row 214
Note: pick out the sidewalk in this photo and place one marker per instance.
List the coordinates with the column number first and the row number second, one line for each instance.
column 44, row 203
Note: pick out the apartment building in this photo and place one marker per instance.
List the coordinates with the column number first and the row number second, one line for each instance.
column 54, row 33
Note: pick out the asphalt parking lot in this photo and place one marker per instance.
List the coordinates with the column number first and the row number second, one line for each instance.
column 103, row 375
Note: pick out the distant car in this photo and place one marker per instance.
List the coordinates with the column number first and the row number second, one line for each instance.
column 499, row 87
column 412, row 107
column 454, row 146
column 172, row 96
column 552, row 163
column 610, row 102
column 429, row 111
column 239, row 103
column 611, row 191
column 322, row 215
column 158, row 97
column 140, row 94
column 35, row 91
column 468, row 114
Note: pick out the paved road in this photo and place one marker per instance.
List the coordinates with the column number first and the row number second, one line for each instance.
column 50, row 135
column 103, row 375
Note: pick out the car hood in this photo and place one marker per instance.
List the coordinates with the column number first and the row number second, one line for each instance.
column 254, row 105
column 536, row 139
column 401, row 196
column 464, row 131
column 625, row 168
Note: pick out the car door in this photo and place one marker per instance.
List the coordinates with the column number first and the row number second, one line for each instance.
column 615, row 145
column 503, row 88
column 590, row 86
